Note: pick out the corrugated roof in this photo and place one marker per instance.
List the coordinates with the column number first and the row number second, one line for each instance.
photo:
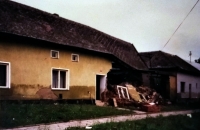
column 162, row 60
column 26, row 21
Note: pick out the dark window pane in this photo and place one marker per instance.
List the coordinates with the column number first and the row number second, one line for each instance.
column 182, row 87
column 3, row 76
column 62, row 79
column 54, row 54
column 74, row 57
column 55, row 79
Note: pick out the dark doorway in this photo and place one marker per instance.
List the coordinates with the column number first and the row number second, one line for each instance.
column 100, row 85
column 3, row 72
column 190, row 87
column 161, row 84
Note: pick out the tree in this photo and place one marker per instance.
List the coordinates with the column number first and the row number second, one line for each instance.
column 197, row 60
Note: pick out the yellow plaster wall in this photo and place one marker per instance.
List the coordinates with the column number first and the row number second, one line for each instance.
column 31, row 70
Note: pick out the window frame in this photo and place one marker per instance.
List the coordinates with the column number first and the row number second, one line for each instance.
column 67, row 72
column 8, row 72
column 123, row 92
column 56, row 52
column 73, row 59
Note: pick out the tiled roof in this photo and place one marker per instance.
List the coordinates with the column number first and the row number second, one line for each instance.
column 162, row 60
column 196, row 65
column 26, row 21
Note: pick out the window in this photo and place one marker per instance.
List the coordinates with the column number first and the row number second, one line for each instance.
column 4, row 75
column 60, row 79
column 182, row 87
column 122, row 92
column 190, row 87
column 75, row 57
column 54, row 54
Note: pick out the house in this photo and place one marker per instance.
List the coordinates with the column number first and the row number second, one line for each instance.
column 44, row 56
column 170, row 75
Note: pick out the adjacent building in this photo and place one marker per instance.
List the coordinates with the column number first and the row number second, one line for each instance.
column 172, row 76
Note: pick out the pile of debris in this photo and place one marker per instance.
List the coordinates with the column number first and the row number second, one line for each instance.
column 127, row 95
column 149, row 95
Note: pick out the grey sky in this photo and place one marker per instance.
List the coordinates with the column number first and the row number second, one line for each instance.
column 148, row 24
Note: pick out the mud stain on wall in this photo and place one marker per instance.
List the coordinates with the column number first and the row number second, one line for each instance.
column 77, row 92
column 23, row 91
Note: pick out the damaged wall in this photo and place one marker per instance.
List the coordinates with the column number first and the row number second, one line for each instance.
column 31, row 66
column 161, row 84
column 146, row 79
column 173, row 88
column 116, row 77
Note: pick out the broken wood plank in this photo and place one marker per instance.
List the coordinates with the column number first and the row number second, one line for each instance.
column 114, row 102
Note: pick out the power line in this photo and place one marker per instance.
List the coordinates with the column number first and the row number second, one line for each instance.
column 180, row 25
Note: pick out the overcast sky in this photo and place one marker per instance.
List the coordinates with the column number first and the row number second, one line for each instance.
column 148, row 24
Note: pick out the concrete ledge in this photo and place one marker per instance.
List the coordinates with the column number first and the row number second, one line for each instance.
column 83, row 123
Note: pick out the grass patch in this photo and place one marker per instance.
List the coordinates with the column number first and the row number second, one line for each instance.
column 173, row 107
column 180, row 122
column 12, row 115
column 183, row 106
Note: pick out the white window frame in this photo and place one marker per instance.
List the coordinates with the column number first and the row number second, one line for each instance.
column 66, row 80
column 55, row 52
column 121, row 92
column 8, row 77
column 77, row 57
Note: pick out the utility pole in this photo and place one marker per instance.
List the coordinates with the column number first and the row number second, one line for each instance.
column 190, row 55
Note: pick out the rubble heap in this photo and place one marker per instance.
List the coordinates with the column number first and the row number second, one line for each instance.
column 128, row 95
column 149, row 95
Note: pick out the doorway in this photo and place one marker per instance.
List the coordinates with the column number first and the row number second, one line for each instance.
column 190, row 87
column 100, row 85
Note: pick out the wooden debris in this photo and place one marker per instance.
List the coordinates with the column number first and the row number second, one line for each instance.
column 150, row 108
column 133, row 93
column 115, row 102
column 128, row 95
